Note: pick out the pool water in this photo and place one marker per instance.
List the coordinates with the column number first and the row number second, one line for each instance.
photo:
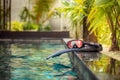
column 26, row 61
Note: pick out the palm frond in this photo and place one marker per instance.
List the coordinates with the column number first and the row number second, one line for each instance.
column 93, row 20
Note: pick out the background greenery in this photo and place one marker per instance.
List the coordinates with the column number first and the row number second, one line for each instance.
column 101, row 17
column 98, row 17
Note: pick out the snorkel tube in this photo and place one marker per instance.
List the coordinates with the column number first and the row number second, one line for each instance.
column 62, row 52
column 80, row 47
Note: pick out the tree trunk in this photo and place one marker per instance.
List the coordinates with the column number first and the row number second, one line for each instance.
column 112, row 26
column 86, row 34
column 114, row 42
column 38, row 18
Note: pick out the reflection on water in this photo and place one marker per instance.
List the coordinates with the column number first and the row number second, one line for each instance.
column 104, row 67
column 4, row 61
column 60, row 67
column 85, row 56
column 26, row 61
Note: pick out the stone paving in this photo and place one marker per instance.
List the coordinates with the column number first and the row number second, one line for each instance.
column 113, row 54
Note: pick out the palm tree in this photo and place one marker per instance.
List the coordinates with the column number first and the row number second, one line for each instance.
column 74, row 12
column 87, row 36
column 40, row 8
column 77, row 12
column 110, row 11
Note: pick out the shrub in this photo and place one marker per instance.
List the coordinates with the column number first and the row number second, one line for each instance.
column 16, row 26
column 30, row 26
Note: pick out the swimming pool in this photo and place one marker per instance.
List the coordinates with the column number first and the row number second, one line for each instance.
column 21, row 60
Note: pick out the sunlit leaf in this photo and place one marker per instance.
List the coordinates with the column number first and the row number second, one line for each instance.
column 65, row 3
column 96, row 20
column 102, row 2
column 118, row 2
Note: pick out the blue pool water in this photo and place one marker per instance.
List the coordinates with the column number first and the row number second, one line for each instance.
column 26, row 61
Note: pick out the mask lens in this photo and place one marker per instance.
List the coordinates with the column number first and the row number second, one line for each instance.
column 75, row 43
column 79, row 43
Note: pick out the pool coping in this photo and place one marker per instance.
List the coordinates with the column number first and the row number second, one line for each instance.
column 80, row 67
column 33, row 34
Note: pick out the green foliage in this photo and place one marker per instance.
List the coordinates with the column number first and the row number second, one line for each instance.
column 17, row 26
column 103, row 3
column 41, row 8
column 102, row 32
column 75, row 12
column 118, row 36
column 40, row 27
column 26, row 15
column 30, row 26
column 23, row 26
column 106, row 12
column 44, row 27
column 103, row 17
column 47, row 28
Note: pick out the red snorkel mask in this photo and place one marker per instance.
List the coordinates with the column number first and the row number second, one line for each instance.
column 75, row 44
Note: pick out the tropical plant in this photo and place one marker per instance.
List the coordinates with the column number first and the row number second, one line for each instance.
column 30, row 26
column 47, row 28
column 110, row 11
column 77, row 12
column 21, row 26
column 41, row 8
column 26, row 15
column 16, row 26
column 103, row 32
column 74, row 12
